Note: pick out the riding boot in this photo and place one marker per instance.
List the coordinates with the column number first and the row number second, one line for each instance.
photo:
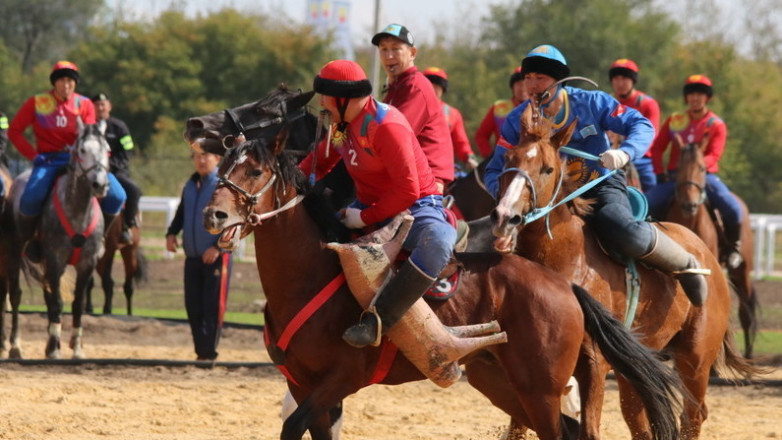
column 393, row 300
column 733, row 248
column 27, row 226
column 668, row 256
column 126, row 237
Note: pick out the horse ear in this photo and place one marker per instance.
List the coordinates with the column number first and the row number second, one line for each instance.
column 300, row 100
column 526, row 117
column 562, row 137
column 280, row 140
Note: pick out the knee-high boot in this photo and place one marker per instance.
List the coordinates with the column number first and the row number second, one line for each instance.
column 733, row 248
column 668, row 256
column 395, row 297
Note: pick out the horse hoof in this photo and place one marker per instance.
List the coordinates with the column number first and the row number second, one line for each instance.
column 53, row 355
column 15, row 353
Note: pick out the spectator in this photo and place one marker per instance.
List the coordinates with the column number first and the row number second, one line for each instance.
column 453, row 117
column 495, row 117
column 55, row 116
column 118, row 136
column 207, row 268
column 413, row 95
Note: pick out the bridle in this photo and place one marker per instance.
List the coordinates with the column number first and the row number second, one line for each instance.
column 284, row 117
column 76, row 160
column 681, row 185
column 252, row 199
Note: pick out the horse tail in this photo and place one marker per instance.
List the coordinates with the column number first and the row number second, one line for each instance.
column 141, row 274
column 730, row 362
column 657, row 385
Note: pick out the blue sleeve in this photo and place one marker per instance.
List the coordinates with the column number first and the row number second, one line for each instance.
column 509, row 137
column 629, row 122
column 491, row 175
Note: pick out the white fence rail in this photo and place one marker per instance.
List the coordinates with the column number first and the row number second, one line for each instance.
column 765, row 226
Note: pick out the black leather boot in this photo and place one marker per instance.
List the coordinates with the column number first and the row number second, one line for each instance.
column 395, row 297
column 733, row 247
column 668, row 256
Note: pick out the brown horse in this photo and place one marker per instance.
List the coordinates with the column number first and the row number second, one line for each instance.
column 690, row 208
column 6, row 239
column 694, row 337
column 546, row 318
column 133, row 260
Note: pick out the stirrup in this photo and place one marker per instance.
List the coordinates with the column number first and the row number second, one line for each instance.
column 361, row 326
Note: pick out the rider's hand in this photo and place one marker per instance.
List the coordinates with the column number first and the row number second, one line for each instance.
column 472, row 162
column 662, row 178
column 171, row 244
column 352, row 218
column 210, row 255
column 613, row 159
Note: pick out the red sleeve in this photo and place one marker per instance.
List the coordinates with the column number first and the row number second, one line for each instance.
column 461, row 145
column 652, row 113
column 414, row 109
column 659, row 145
column 324, row 164
column 23, row 119
column 394, row 146
column 484, row 133
column 718, row 134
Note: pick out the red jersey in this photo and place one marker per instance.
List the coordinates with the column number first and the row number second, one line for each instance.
column 383, row 157
column 492, row 124
column 647, row 106
column 461, row 145
column 414, row 96
column 55, row 123
column 690, row 131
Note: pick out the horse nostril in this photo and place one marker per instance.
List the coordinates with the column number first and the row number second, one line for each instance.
column 195, row 123
column 494, row 216
column 220, row 215
column 515, row 220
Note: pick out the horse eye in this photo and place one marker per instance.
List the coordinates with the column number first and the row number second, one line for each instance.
column 256, row 173
column 546, row 170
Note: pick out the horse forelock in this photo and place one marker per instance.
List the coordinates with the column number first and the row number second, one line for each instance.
column 261, row 151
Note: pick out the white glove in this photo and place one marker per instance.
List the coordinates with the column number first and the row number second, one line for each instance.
column 613, row 159
column 352, row 218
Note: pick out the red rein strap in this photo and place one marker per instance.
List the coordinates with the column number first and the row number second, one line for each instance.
column 76, row 253
column 388, row 350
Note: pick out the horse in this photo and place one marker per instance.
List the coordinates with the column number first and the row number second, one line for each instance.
column 6, row 236
column 548, row 320
column 471, row 200
column 534, row 185
column 133, row 261
column 71, row 232
column 256, row 119
column 690, row 208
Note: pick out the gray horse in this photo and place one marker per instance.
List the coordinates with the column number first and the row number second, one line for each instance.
column 71, row 233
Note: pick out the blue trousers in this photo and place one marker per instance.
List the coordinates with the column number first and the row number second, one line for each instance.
column 719, row 195
column 645, row 172
column 45, row 170
column 431, row 237
column 612, row 219
column 202, row 303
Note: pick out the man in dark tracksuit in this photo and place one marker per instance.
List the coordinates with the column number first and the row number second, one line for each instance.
column 118, row 136
column 207, row 269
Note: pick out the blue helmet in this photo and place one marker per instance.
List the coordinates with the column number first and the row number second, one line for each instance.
column 548, row 60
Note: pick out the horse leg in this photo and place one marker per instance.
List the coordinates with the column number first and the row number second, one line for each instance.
column 131, row 266
column 741, row 280
column 88, row 296
column 633, row 411
column 335, row 414
column 77, row 308
column 51, row 295
column 15, row 294
column 312, row 417
column 4, row 305
column 107, row 262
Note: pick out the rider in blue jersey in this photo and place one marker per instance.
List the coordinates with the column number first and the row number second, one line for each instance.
column 597, row 112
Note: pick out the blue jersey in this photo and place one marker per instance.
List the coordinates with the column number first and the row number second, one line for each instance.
column 597, row 112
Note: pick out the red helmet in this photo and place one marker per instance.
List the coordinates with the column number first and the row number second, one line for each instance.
column 437, row 76
column 698, row 83
column 516, row 76
column 624, row 67
column 342, row 79
column 64, row 69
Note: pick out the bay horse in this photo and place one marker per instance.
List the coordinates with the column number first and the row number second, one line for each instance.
column 71, row 233
column 690, row 208
column 259, row 118
column 533, row 186
column 133, row 261
column 546, row 318
column 471, row 200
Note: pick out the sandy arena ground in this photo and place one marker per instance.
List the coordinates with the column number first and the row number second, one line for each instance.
column 119, row 402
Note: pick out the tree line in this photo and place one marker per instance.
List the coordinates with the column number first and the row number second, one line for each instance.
column 159, row 72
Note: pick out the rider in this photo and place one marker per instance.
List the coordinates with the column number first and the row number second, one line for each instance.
column 595, row 112
column 118, row 136
column 623, row 75
column 697, row 125
column 461, row 144
column 495, row 117
column 411, row 93
column 54, row 116
column 390, row 170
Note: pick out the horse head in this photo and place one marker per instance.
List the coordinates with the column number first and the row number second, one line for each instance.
column 262, row 118
column 532, row 178
column 690, row 191
column 90, row 159
column 257, row 180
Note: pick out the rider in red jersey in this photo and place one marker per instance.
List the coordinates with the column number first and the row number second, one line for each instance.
column 495, row 117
